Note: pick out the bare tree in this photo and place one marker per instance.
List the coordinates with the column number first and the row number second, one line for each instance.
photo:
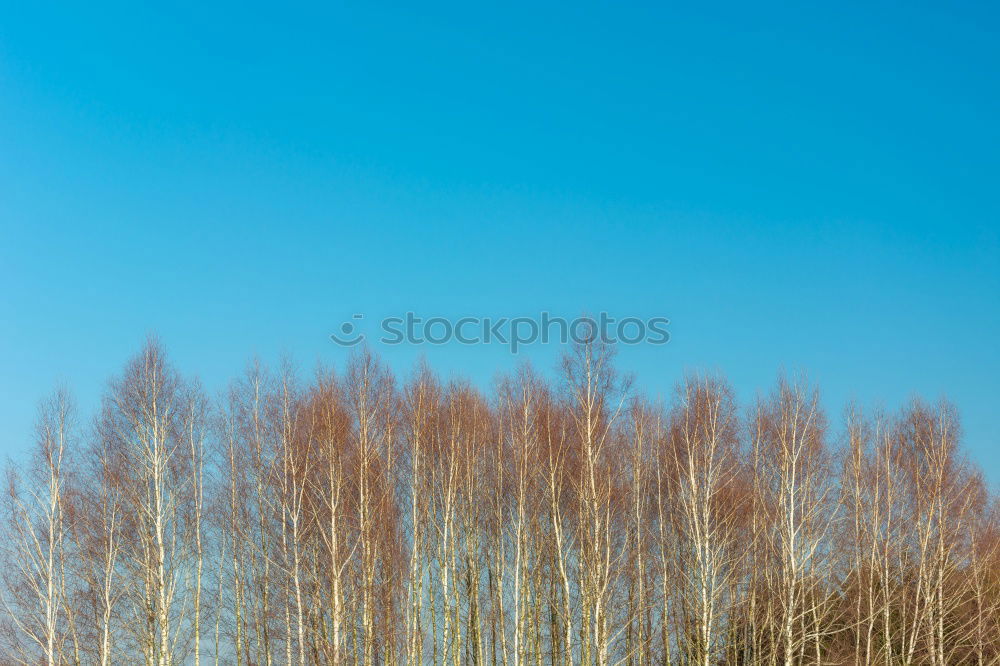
column 595, row 397
column 796, row 479
column 703, row 471
column 372, row 401
column 340, row 521
column 35, row 592
column 142, row 419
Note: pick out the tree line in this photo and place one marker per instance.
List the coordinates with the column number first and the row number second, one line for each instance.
column 350, row 518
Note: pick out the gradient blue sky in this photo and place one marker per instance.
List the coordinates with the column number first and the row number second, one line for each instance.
column 810, row 188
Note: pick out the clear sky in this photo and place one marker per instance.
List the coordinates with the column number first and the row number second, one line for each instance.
column 810, row 188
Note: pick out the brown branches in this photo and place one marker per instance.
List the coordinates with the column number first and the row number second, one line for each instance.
column 344, row 520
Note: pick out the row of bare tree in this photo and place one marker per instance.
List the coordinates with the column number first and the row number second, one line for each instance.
column 351, row 519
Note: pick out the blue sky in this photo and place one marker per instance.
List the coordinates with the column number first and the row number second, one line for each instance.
column 808, row 188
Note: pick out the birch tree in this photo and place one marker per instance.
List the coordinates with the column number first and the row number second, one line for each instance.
column 35, row 587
